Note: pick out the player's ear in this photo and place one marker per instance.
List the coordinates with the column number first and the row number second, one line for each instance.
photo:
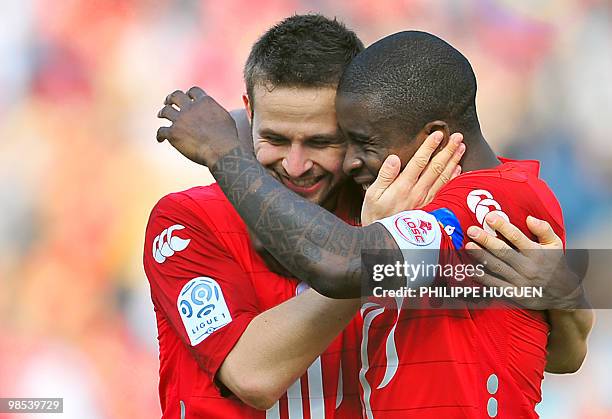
column 247, row 106
column 432, row 126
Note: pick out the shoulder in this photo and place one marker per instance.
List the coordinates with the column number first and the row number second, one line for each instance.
column 205, row 205
column 512, row 180
column 198, row 198
column 513, row 190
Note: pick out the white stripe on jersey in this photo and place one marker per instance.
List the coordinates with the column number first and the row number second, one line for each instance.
column 315, row 390
column 365, row 364
column 294, row 400
column 273, row 412
column 340, row 390
column 294, row 396
column 391, row 349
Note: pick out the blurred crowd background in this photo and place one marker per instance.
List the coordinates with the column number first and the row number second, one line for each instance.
column 81, row 83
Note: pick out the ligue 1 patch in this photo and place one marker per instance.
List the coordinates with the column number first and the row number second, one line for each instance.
column 414, row 228
column 450, row 224
column 202, row 308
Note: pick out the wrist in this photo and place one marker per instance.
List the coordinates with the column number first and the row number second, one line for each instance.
column 219, row 160
column 575, row 300
column 572, row 302
column 210, row 156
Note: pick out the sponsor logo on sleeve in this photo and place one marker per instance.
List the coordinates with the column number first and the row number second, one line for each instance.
column 450, row 223
column 202, row 308
column 415, row 227
column 481, row 202
column 166, row 243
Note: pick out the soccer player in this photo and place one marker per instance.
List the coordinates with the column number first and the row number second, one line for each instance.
column 227, row 345
column 439, row 363
column 233, row 336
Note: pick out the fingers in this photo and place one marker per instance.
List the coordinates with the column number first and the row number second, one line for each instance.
column 419, row 161
column 493, row 265
column 544, row 232
column 512, row 233
column 522, row 262
column 441, row 167
column 177, row 98
column 387, row 174
column 163, row 133
column 168, row 112
column 451, row 171
column 485, row 239
column 181, row 99
column 499, row 287
column 196, row 93
column 456, row 172
column 492, row 281
column 497, row 247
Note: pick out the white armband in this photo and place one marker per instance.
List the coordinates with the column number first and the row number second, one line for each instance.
column 418, row 235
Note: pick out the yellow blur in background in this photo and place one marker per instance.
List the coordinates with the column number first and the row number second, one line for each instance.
column 81, row 83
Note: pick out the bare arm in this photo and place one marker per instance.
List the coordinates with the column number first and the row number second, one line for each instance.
column 567, row 342
column 196, row 280
column 312, row 243
column 309, row 241
column 280, row 344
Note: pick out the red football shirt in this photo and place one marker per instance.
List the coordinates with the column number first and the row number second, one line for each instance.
column 465, row 362
column 207, row 284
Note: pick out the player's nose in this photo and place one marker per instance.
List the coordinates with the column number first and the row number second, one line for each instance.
column 296, row 162
column 352, row 163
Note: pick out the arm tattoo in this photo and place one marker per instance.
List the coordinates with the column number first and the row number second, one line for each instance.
column 309, row 241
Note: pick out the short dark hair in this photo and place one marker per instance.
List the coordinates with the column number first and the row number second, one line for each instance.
column 411, row 78
column 301, row 51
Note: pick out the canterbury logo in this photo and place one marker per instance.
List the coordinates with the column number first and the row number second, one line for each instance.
column 481, row 203
column 165, row 244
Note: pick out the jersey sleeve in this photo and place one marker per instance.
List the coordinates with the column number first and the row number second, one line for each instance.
column 468, row 200
column 434, row 234
column 424, row 242
column 205, row 295
column 510, row 194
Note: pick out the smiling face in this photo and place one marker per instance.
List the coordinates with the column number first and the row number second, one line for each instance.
column 296, row 137
column 370, row 139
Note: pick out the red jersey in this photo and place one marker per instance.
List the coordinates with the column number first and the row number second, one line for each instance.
column 207, row 284
column 465, row 362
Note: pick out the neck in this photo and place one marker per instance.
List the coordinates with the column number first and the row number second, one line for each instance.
column 478, row 154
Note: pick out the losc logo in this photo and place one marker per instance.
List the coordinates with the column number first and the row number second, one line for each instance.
column 202, row 308
column 415, row 229
column 165, row 244
column 481, row 203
